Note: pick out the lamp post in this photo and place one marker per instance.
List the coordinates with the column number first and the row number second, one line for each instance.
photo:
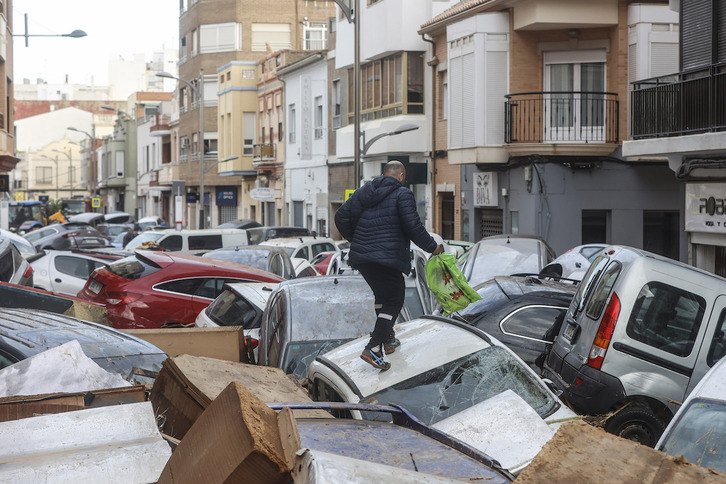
column 404, row 128
column 198, row 91
column 92, row 157
column 75, row 34
column 57, row 178
column 352, row 15
column 70, row 165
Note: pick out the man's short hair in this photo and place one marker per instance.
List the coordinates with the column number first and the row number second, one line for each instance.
column 394, row 168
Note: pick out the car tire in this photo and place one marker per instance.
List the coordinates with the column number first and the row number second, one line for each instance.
column 637, row 423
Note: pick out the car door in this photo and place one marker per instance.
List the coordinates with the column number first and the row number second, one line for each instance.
column 69, row 273
column 428, row 302
column 529, row 331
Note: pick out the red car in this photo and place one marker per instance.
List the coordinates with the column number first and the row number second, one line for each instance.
column 163, row 289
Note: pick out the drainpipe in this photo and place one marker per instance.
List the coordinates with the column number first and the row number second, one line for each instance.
column 433, row 63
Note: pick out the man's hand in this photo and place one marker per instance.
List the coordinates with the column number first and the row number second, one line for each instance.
column 439, row 249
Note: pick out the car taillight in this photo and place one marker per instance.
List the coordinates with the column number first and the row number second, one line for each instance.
column 252, row 343
column 28, row 272
column 604, row 334
column 121, row 297
column 71, row 234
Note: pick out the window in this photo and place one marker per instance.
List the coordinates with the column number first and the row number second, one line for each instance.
column 718, row 343
column 535, row 322
column 173, row 242
column 220, row 38
column 195, row 42
column 184, row 147
column 444, row 95
column 276, row 320
column 271, row 123
column 316, row 35
column 595, row 226
column 666, row 318
column 231, row 310
column 248, row 74
column 279, row 123
column 602, row 290
column 183, row 49
column 195, row 143
column 291, row 124
column 248, row 133
column 182, row 286
column 202, row 242
column 318, row 117
column 277, row 35
column 303, row 253
column 44, row 175
column 382, row 88
column 325, row 247
column 73, row 266
column 335, row 94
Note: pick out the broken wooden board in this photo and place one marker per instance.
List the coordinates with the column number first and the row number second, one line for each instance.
column 25, row 406
column 223, row 343
column 236, row 439
column 187, row 385
column 580, row 452
column 119, row 444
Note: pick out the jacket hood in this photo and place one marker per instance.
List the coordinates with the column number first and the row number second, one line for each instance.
column 377, row 189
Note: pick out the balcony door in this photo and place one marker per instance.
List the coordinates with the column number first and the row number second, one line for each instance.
column 574, row 106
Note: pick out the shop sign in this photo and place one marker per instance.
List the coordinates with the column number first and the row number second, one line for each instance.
column 705, row 207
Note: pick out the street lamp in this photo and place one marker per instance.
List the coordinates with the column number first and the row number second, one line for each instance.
column 92, row 148
column 404, row 128
column 75, row 34
column 57, row 176
column 198, row 91
column 69, row 154
column 352, row 15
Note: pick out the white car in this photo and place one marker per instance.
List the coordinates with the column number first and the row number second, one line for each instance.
column 455, row 378
column 65, row 272
column 574, row 263
column 698, row 429
column 303, row 247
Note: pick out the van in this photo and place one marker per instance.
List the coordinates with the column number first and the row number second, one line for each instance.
column 640, row 333
column 190, row 240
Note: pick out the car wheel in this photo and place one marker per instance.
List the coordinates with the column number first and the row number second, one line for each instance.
column 636, row 423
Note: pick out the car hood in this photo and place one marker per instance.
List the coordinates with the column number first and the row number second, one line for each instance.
column 504, row 427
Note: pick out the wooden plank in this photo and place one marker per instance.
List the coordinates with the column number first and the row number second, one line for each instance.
column 224, row 343
column 580, row 452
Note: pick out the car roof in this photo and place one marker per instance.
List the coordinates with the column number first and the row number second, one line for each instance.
column 33, row 331
column 432, row 341
column 295, row 241
column 165, row 259
column 329, row 307
column 257, row 293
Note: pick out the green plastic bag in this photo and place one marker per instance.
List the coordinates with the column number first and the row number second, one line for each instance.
column 448, row 284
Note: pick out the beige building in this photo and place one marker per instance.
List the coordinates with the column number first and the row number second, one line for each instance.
column 214, row 33
column 8, row 160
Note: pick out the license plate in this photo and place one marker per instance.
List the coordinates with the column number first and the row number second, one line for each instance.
column 95, row 286
column 569, row 331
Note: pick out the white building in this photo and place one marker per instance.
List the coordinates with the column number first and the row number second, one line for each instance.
column 393, row 80
column 306, row 143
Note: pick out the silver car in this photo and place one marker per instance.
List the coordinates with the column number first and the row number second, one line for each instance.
column 13, row 267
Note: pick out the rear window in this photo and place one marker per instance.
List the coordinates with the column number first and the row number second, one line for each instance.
column 132, row 267
column 666, row 318
column 231, row 310
column 602, row 290
column 7, row 268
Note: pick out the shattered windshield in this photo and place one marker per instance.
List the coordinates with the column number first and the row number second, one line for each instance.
column 300, row 354
column 459, row 384
column 700, row 434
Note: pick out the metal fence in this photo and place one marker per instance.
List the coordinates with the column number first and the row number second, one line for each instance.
column 689, row 102
column 561, row 117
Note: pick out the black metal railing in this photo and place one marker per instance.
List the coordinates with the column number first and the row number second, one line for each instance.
column 561, row 117
column 688, row 102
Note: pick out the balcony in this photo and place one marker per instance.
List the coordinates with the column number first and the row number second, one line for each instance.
column 263, row 152
column 561, row 123
column 690, row 102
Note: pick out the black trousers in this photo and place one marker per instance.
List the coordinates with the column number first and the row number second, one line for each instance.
column 389, row 290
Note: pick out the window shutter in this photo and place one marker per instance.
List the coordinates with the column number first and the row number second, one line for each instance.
column 663, row 59
column 696, row 33
column 468, row 100
column 455, row 93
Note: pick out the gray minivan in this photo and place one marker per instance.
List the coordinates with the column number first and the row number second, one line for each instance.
column 640, row 333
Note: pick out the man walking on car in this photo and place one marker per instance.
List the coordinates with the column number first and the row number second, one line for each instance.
column 380, row 220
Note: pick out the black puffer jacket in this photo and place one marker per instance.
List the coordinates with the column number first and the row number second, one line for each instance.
column 380, row 220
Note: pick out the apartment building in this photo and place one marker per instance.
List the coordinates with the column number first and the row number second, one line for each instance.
column 531, row 110
column 680, row 115
column 8, row 160
column 214, row 33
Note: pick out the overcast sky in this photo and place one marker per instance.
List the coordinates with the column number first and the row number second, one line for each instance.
column 115, row 29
